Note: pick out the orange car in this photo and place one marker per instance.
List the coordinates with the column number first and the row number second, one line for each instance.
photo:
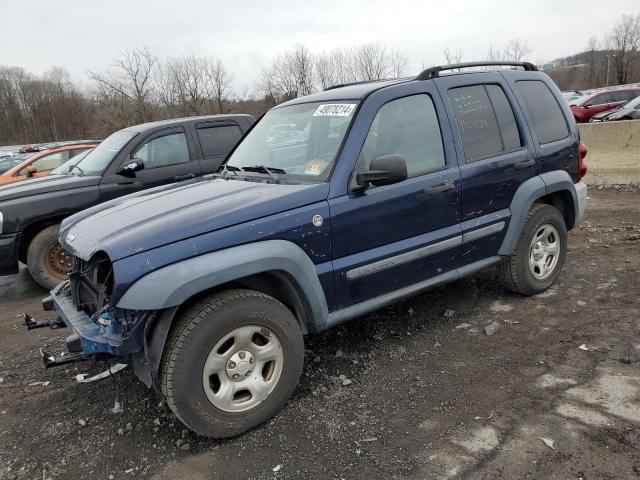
column 42, row 162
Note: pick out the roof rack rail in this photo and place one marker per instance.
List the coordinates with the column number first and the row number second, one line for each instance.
column 434, row 72
column 340, row 85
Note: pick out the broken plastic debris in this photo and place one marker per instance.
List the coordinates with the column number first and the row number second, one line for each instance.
column 583, row 347
column 82, row 377
column 117, row 407
column 277, row 468
column 548, row 442
column 33, row 384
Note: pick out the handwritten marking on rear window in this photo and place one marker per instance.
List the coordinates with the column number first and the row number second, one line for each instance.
column 334, row 110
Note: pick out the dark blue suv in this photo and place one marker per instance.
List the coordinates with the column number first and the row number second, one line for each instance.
column 332, row 206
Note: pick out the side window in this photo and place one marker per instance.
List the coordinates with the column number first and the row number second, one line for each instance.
column 77, row 151
column 162, row 151
column 506, row 118
column 48, row 162
column 486, row 121
column 218, row 141
column 622, row 96
column 601, row 99
column 409, row 127
column 548, row 120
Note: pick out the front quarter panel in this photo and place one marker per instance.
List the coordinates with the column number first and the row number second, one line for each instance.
column 294, row 226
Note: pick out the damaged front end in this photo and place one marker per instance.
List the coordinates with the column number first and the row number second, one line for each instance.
column 99, row 330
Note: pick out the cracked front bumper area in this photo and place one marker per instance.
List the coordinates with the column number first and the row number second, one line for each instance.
column 88, row 337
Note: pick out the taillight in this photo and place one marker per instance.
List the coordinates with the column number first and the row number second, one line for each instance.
column 582, row 166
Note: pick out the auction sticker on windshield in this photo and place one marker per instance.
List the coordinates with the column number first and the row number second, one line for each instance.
column 334, row 110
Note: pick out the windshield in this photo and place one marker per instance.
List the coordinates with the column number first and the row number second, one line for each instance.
column 98, row 159
column 299, row 142
column 66, row 166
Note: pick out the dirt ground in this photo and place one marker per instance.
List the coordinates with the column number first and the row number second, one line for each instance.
column 554, row 393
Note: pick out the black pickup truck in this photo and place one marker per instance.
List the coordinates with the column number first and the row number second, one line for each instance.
column 132, row 159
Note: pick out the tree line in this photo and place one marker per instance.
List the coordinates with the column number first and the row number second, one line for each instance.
column 612, row 59
column 139, row 86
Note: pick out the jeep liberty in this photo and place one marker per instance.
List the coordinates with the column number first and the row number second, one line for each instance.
column 333, row 205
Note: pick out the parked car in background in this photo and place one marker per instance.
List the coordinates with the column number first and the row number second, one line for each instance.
column 42, row 162
column 132, row 159
column 572, row 96
column 587, row 106
column 628, row 111
column 67, row 166
column 9, row 162
column 377, row 191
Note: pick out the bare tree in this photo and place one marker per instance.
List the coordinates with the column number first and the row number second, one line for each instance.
column 625, row 40
column 370, row 62
column 495, row 54
column 398, row 64
column 290, row 75
column 452, row 57
column 592, row 74
column 219, row 84
column 516, row 50
column 128, row 82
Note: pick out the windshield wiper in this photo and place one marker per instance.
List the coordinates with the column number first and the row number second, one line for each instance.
column 271, row 171
column 225, row 169
column 79, row 169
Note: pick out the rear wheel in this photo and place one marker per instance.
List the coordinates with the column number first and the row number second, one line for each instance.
column 49, row 263
column 231, row 362
column 540, row 253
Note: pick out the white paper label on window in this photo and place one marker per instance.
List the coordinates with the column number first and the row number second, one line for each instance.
column 334, row 110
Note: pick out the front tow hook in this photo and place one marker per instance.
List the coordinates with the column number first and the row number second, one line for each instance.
column 32, row 324
column 50, row 361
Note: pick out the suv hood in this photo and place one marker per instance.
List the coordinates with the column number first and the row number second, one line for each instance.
column 48, row 183
column 160, row 216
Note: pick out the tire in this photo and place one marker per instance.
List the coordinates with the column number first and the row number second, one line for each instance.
column 194, row 342
column 49, row 264
column 517, row 274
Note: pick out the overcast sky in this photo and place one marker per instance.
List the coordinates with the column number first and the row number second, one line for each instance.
column 78, row 35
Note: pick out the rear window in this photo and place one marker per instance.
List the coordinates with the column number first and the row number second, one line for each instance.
column 485, row 120
column 548, row 120
column 218, row 141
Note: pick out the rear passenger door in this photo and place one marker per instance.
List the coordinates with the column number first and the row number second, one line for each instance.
column 215, row 140
column 495, row 154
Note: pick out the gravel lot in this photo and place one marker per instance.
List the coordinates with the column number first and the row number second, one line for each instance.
column 553, row 393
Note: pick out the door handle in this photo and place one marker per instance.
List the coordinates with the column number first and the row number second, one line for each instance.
column 439, row 188
column 185, row 177
column 524, row 164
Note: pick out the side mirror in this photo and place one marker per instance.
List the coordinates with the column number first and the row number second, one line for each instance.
column 384, row 170
column 130, row 168
column 31, row 171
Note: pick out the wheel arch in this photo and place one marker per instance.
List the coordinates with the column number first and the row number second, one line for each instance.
column 31, row 230
column 555, row 188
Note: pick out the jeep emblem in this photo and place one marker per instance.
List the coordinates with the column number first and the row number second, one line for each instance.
column 317, row 221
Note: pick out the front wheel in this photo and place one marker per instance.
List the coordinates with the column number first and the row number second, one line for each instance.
column 540, row 253
column 231, row 362
column 49, row 263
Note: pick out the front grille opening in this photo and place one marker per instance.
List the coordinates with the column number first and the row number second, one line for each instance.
column 92, row 283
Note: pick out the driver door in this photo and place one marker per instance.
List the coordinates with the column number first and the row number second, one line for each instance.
column 167, row 157
column 389, row 237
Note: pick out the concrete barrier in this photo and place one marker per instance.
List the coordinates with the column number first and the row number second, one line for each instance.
column 613, row 152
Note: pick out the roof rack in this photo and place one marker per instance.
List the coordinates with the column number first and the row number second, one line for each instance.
column 434, row 72
column 340, row 85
